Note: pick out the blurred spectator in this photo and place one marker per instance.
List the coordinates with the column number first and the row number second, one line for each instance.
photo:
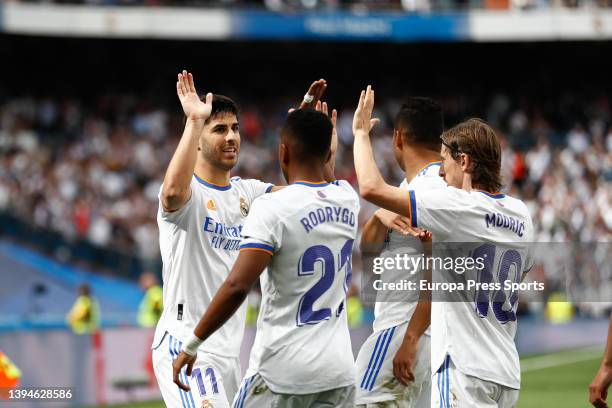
column 84, row 317
column 152, row 305
column 9, row 376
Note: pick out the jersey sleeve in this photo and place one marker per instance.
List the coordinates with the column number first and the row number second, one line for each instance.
column 179, row 216
column 263, row 230
column 254, row 188
column 435, row 210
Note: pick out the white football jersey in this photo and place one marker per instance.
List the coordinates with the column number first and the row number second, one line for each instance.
column 478, row 332
column 199, row 244
column 396, row 307
column 302, row 345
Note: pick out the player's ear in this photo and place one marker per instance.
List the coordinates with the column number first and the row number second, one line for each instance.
column 397, row 139
column 465, row 162
column 328, row 157
column 283, row 154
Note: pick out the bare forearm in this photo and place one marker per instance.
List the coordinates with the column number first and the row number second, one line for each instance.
column 373, row 236
column 223, row 306
column 607, row 360
column 368, row 175
column 420, row 321
column 372, row 186
column 176, row 189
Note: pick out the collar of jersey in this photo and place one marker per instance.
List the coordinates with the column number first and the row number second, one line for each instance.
column 211, row 185
column 492, row 195
column 312, row 183
column 427, row 166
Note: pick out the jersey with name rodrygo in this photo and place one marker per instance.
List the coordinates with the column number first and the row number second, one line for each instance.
column 302, row 345
column 396, row 307
column 199, row 244
column 496, row 232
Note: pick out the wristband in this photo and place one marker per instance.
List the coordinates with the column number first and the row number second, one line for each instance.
column 192, row 345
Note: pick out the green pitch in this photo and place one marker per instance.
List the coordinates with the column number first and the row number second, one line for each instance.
column 558, row 380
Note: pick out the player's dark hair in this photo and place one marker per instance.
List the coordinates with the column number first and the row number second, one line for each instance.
column 420, row 121
column 309, row 131
column 222, row 104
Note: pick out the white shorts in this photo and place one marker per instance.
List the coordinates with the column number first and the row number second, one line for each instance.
column 214, row 379
column 254, row 393
column 375, row 382
column 453, row 389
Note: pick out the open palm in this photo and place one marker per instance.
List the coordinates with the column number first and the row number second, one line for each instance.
column 193, row 107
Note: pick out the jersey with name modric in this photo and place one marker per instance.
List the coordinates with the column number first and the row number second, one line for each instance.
column 302, row 345
column 199, row 244
column 396, row 307
column 496, row 232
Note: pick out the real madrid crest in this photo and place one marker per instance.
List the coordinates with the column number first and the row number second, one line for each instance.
column 244, row 207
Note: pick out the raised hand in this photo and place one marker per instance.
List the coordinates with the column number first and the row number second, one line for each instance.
column 194, row 108
column 322, row 107
column 362, row 121
column 316, row 90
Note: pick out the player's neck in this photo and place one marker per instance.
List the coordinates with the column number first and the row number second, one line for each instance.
column 211, row 174
column 416, row 159
column 306, row 173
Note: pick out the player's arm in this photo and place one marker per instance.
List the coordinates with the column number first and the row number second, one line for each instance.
column 176, row 189
column 376, row 228
column 404, row 359
column 598, row 390
column 249, row 265
column 372, row 186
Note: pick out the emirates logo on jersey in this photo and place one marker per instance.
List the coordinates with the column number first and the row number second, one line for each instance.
column 244, row 207
column 211, row 205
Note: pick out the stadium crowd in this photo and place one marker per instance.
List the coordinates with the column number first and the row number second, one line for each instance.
column 94, row 171
column 354, row 5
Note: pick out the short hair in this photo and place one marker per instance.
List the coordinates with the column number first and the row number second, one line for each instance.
column 222, row 104
column 478, row 140
column 420, row 121
column 309, row 131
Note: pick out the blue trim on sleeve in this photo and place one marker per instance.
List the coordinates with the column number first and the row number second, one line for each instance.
column 257, row 246
column 213, row 186
column 270, row 187
column 413, row 209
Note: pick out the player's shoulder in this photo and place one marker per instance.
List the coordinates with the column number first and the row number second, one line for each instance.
column 240, row 182
column 427, row 182
column 515, row 203
column 346, row 190
column 344, row 185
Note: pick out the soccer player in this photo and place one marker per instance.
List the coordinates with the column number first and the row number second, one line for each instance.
column 598, row 390
column 304, row 235
column 393, row 365
column 473, row 350
column 201, row 216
